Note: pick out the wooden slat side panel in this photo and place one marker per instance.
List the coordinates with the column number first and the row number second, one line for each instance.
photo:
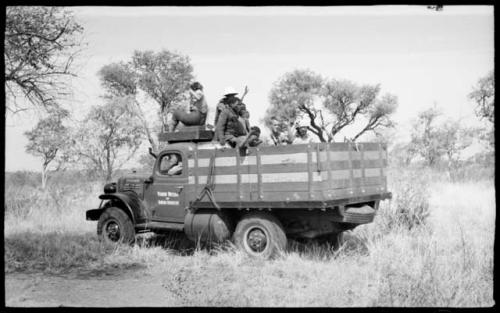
column 288, row 167
column 309, row 172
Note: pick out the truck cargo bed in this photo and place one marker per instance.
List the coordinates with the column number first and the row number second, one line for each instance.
column 306, row 175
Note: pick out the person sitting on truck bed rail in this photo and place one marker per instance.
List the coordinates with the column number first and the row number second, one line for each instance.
column 302, row 135
column 244, row 118
column 229, row 128
column 229, row 94
column 171, row 164
column 278, row 136
column 198, row 109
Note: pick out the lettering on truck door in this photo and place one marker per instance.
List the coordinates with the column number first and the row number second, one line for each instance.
column 166, row 195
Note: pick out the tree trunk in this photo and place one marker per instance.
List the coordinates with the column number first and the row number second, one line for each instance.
column 109, row 169
column 44, row 176
column 141, row 116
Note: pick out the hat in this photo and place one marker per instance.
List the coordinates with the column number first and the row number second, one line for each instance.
column 230, row 91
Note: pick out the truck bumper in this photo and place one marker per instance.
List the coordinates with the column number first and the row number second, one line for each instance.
column 93, row 215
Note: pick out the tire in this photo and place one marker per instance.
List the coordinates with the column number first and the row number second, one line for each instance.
column 114, row 226
column 260, row 235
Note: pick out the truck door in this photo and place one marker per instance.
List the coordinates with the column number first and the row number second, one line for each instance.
column 165, row 195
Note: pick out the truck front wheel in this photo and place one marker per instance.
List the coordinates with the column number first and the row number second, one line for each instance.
column 260, row 235
column 114, row 226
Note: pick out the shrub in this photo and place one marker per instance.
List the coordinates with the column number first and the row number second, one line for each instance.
column 409, row 206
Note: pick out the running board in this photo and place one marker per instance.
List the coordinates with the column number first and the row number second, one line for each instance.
column 159, row 226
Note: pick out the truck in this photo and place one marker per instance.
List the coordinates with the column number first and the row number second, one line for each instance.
column 259, row 198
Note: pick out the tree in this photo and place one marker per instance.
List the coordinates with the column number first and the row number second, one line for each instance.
column 120, row 80
column 163, row 76
column 433, row 140
column 40, row 47
column 109, row 136
column 484, row 96
column 293, row 96
column 454, row 139
column 425, row 136
column 329, row 105
column 379, row 115
column 48, row 139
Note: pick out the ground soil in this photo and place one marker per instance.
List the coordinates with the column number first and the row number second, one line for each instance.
column 133, row 288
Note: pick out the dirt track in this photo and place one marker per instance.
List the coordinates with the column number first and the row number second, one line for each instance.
column 132, row 288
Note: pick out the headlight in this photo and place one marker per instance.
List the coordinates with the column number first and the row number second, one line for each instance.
column 110, row 188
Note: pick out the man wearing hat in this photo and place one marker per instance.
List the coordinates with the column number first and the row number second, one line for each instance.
column 229, row 94
column 229, row 97
column 301, row 134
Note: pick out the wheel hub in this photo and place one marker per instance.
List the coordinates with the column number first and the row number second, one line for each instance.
column 257, row 240
column 113, row 231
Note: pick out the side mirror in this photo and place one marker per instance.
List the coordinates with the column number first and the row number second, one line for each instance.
column 149, row 180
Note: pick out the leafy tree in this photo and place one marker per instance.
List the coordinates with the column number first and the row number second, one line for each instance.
column 40, row 47
column 109, row 136
column 120, row 80
column 378, row 115
column 425, row 136
column 163, row 76
column 329, row 105
column 48, row 140
column 293, row 96
column 454, row 139
column 484, row 96
column 433, row 140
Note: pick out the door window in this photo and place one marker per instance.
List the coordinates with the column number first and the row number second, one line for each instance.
column 171, row 164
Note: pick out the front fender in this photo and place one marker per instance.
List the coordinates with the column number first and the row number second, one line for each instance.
column 131, row 203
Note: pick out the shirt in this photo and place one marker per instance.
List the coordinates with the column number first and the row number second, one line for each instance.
column 281, row 139
column 199, row 103
column 229, row 124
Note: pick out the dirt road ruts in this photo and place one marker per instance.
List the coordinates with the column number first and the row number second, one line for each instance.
column 129, row 289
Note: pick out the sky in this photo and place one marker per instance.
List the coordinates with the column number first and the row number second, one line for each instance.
column 422, row 56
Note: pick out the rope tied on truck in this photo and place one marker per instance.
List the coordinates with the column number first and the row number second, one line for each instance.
column 209, row 186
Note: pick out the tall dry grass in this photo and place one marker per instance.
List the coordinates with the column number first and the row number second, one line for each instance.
column 431, row 246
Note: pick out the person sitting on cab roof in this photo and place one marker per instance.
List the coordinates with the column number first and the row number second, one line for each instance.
column 198, row 109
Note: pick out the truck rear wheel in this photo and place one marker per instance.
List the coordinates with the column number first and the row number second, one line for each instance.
column 114, row 226
column 260, row 235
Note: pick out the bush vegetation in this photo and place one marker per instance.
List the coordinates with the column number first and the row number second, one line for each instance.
column 431, row 245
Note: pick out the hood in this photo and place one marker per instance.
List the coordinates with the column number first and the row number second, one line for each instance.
column 132, row 182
